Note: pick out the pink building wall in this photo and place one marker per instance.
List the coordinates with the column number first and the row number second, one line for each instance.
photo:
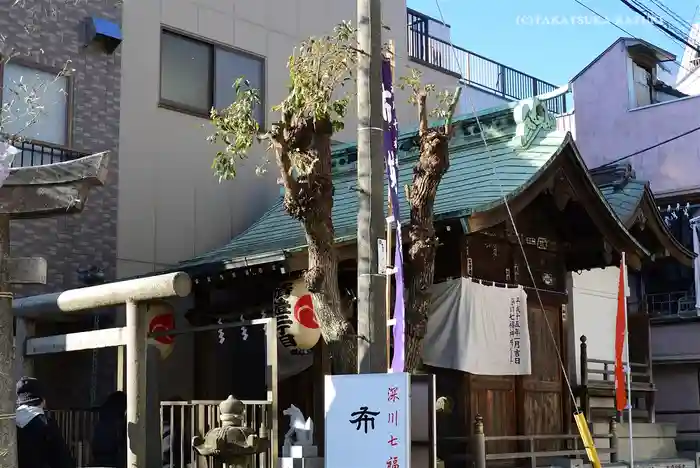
column 606, row 127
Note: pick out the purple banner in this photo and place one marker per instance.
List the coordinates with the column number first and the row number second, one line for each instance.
column 391, row 146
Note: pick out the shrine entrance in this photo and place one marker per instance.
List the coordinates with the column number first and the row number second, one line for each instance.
column 145, row 425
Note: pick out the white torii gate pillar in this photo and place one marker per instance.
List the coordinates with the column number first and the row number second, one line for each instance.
column 140, row 416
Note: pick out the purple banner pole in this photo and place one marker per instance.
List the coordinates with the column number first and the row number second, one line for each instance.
column 391, row 146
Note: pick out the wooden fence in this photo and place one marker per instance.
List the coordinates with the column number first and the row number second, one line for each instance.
column 570, row 446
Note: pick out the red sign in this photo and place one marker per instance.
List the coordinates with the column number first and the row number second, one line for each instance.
column 304, row 312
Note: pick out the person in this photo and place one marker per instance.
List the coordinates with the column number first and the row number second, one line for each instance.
column 109, row 436
column 39, row 440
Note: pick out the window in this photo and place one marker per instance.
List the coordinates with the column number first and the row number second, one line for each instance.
column 643, row 90
column 35, row 107
column 34, row 104
column 196, row 76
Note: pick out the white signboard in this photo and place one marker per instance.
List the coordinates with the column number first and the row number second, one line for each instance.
column 368, row 421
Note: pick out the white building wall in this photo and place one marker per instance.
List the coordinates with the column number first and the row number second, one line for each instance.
column 591, row 312
column 171, row 207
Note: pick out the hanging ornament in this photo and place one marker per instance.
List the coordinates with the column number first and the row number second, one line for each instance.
column 220, row 331
column 297, row 327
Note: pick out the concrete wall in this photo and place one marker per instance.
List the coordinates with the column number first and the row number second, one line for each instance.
column 607, row 128
column 675, row 352
column 171, row 207
column 591, row 312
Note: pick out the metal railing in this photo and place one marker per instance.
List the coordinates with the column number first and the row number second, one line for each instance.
column 76, row 427
column 530, row 446
column 478, row 71
column 676, row 303
column 37, row 153
column 191, row 418
column 196, row 418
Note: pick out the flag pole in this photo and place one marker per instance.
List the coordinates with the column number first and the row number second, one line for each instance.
column 628, row 368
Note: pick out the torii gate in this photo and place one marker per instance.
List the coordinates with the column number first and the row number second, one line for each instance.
column 31, row 193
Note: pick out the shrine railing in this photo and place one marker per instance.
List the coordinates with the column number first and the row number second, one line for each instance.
column 538, row 449
column 191, row 418
column 426, row 48
column 37, row 153
column 597, row 379
column 671, row 304
column 197, row 417
column 76, row 427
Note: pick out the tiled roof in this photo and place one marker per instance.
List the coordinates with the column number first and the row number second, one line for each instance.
column 469, row 186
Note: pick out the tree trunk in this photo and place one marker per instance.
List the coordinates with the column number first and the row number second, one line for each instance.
column 432, row 164
column 309, row 198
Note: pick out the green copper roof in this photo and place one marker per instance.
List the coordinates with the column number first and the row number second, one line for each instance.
column 624, row 201
column 469, row 186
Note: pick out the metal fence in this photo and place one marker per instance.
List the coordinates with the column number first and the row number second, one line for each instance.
column 196, row 418
column 478, row 71
column 36, row 153
column 76, row 427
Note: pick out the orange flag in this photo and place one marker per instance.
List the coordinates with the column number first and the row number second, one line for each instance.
column 620, row 329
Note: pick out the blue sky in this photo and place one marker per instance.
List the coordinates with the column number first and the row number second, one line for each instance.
column 537, row 36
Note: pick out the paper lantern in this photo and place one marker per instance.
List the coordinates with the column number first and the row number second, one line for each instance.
column 297, row 327
column 159, row 316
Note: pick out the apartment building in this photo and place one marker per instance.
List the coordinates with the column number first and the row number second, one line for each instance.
column 61, row 73
column 180, row 57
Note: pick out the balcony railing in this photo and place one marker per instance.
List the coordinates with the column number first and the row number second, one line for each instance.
column 671, row 304
column 493, row 77
column 37, row 153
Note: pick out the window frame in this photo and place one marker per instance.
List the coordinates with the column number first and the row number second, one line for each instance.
column 213, row 46
column 70, row 95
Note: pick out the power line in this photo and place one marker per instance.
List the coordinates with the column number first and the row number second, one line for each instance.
column 672, row 14
column 639, row 9
column 615, row 161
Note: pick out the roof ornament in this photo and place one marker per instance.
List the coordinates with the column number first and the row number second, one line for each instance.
column 531, row 116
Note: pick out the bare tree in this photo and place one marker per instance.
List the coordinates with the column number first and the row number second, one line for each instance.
column 300, row 140
column 433, row 162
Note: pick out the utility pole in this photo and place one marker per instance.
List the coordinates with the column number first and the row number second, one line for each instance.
column 371, row 313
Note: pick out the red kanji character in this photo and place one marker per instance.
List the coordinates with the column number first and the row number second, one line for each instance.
column 392, row 394
column 393, row 441
column 394, row 418
column 392, row 462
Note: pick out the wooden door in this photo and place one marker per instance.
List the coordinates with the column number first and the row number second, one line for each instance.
column 494, row 399
column 541, row 393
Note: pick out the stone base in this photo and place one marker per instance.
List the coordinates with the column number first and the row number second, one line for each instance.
column 299, row 451
column 313, row 462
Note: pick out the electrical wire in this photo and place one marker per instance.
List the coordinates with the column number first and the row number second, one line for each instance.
column 615, row 161
column 672, row 14
column 512, row 221
column 667, row 28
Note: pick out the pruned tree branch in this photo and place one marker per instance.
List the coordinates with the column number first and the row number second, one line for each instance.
column 433, row 162
column 312, row 111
